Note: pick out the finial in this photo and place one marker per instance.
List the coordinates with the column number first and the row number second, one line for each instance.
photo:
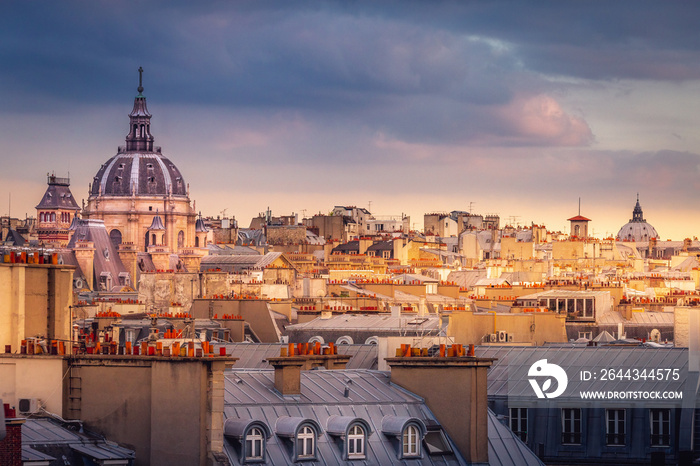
column 140, row 89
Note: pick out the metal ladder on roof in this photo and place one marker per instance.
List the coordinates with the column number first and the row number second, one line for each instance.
column 75, row 392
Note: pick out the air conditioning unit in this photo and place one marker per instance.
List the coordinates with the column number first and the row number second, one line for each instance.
column 493, row 338
column 29, row 405
column 502, row 336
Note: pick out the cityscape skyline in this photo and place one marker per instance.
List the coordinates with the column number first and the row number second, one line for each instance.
column 511, row 109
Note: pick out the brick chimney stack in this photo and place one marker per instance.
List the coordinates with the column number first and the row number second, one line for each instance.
column 303, row 356
column 454, row 388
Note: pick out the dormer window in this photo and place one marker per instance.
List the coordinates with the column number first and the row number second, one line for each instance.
column 409, row 433
column 306, row 443
column 254, row 445
column 249, row 438
column 356, row 442
column 411, row 441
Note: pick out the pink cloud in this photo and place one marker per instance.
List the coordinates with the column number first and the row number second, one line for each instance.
column 540, row 120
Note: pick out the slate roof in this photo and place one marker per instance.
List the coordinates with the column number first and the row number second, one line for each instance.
column 505, row 448
column 13, row 238
column 106, row 258
column 45, row 439
column 58, row 195
column 145, row 173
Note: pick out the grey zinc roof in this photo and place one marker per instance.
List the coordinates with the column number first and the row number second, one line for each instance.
column 251, row 395
column 253, row 356
column 505, row 448
column 46, row 437
column 575, row 359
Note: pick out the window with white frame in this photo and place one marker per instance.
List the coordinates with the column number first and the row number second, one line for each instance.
column 518, row 422
column 660, row 427
column 615, row 426
column 356, row 442
column 254, row 444
column 411, row 441
column 306, row 443
column 571, row 426
column 586, row 335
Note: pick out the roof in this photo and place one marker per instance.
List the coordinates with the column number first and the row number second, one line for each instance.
column 106, row 257
column 48, row 439
column 143, row 173
column 574, row 360
column 239, row 262
column 370, row 397
column 505, row 448
column 579, row 218
column 381, row 322
column 58, row 195
column 13, row 238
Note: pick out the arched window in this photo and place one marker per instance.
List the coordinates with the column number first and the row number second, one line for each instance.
column 153, row 239
column 356, row 442
column 254, row 444
column 136, row 130
column 53, row 216
column 344, row 340
column 41, row 216
column 411, row 444
column 143, row 129
column 181, row 239
column 306, row 443
column 196, row 241
column 116, row 237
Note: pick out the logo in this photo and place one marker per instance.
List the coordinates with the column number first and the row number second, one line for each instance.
column 551, row 371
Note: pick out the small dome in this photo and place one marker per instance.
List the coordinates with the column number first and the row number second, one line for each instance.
column 637, row 229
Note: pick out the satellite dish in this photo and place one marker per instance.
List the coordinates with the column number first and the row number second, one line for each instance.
column 655, row 335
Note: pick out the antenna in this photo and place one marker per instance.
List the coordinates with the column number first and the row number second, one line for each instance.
column 471, row 205
column 369, row 206
column 579, row 206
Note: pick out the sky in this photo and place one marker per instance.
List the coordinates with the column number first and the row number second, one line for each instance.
column 406, row 107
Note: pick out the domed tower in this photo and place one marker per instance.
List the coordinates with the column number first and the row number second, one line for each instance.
column 139, row 183
column 637, row 229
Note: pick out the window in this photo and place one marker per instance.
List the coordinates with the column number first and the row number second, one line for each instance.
column 436, row 443
column 518, row 422
column 254, row 444
column 571, row 426
column 615, row 426
column 410, row 441
column 586, row 335
column 305, row 443
column 356, row 442
column 660, row 427
column 588, row 310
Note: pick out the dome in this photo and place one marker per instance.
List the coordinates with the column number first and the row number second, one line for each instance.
column 139, row 168
column 138, row 173
column 637, row 229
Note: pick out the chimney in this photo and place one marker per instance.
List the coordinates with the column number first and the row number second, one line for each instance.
column 85, row 255
column 11, row 445
column 454, row 389
column 303, row 356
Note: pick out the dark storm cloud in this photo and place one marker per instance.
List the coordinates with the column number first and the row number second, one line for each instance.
column 447, row 72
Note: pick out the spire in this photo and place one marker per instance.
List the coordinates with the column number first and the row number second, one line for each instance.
column 139, row 137
column 637, row 214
